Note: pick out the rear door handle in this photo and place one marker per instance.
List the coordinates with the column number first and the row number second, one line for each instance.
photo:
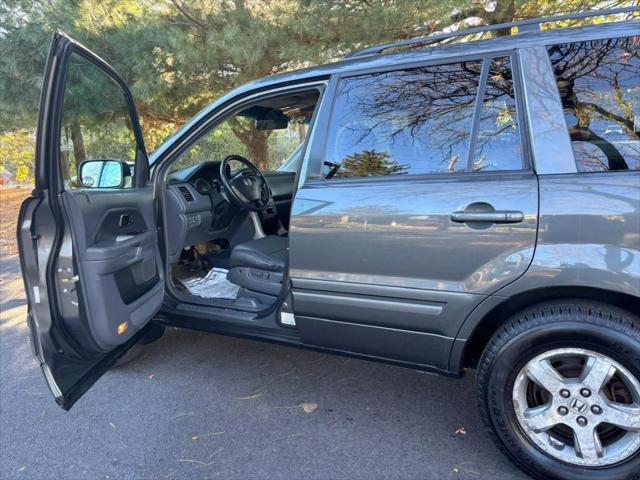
column 498, row 216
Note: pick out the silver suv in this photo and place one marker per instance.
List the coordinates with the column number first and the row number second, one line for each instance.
column 442, row 206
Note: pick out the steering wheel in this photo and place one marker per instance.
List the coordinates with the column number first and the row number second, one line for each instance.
column 247, row 188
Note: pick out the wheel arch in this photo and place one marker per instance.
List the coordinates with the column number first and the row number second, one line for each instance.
column 488, row 322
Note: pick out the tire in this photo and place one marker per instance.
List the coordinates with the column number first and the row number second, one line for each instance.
column 545, row 333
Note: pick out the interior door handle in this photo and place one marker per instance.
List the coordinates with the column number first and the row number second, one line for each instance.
column 125, row 220
column 497, row 216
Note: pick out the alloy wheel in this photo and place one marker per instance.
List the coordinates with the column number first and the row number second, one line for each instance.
column 579, row 406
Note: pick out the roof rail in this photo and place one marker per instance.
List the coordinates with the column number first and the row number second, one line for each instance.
column 522, row 25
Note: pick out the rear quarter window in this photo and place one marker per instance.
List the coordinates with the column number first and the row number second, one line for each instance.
column 599, row 85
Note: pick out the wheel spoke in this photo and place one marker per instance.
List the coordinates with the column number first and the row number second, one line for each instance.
column 540, row 418
column 545, row 375
column 626, row 416
column 587, row 443
column 597, row 373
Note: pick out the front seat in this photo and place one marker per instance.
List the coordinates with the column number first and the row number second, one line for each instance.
column 266, row 253
column 258, row 265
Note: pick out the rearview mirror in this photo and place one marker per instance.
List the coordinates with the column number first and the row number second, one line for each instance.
column 272, row 123
column 103, row 173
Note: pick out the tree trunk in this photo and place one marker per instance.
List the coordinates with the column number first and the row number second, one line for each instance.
column 302, row 131
column 258, row 149
column 256, row 141
column 64, row 157
column 504, row 12
column 78, row 143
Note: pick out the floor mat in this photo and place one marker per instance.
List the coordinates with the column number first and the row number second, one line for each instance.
column 213, row 285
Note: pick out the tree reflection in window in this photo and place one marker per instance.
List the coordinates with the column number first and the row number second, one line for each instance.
column 498, row 141
column 599, row 84
column 407, row 121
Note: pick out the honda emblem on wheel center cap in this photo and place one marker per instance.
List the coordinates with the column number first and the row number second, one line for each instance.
column 578, row 405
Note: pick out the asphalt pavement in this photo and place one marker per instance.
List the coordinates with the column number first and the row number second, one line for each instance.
column 197, row 405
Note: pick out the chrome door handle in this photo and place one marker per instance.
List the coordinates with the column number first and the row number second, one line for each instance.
column 498, row 216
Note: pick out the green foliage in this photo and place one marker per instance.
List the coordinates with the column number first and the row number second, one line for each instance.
column 177, row 55
column 212, row 147
column 370, row 163
column 17, row 154
column 23, row 174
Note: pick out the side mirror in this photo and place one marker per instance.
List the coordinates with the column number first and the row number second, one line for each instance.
column 103, row 173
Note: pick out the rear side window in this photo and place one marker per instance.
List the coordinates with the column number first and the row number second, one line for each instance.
column 599, row 85
column 498, row 141
column 420, row 121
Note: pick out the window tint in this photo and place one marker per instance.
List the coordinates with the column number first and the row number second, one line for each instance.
column 599, row 84
column 95, row 123
column 498, row 141
column 408, row 121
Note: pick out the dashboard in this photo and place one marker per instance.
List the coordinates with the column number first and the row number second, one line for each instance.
column 196, row 208
column 203, row 176
column 197, row 211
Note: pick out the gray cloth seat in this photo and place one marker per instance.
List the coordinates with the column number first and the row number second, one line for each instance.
column 266, row 253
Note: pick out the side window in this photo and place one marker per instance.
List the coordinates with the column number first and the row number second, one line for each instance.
column 97, row 143
column 498, row 140
column 403, row 122
column 599, row 84
column 420, row 121
column 270, row 133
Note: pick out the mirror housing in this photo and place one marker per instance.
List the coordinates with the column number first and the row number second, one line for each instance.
column 104, row 174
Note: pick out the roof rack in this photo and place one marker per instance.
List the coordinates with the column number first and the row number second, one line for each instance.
column 531, row 24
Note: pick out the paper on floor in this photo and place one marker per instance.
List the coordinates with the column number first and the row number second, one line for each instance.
column 213, row 285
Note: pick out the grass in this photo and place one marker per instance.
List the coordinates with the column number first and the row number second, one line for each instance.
column 10, row 200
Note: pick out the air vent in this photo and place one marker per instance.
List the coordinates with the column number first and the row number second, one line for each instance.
column 186, row 193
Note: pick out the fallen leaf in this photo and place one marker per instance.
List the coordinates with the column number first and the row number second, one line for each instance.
column 460, row 431
column 309, row 407
column 151, row 377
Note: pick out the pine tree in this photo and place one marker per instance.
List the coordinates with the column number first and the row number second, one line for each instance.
column 370, row 163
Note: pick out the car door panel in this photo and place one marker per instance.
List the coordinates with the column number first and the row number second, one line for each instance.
column 400, row 233
column 119, row 261
column 391, row 256
column 391, row 344
column 415, row 205
column 89, row 256
column 380, row 305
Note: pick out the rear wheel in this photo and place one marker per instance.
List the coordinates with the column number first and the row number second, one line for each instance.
column 559, row 387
